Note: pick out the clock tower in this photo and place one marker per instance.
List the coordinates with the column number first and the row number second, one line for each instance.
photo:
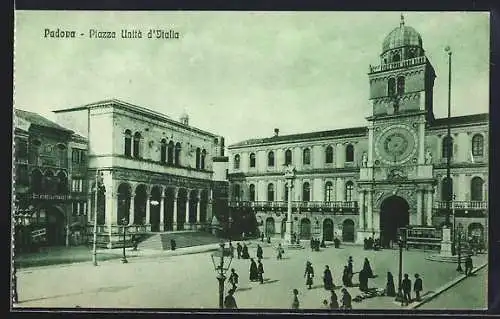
column 396, row 181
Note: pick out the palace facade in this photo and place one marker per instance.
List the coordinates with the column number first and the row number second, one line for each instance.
column 368, row 181
column 153, row 173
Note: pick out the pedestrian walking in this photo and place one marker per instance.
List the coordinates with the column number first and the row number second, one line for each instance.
column 346, row 300
column 406, row 286
column 260, row 272
column 345, row 277
column 280, row 251
column 233, row 279
column 468, row 266
column 231, row 249
column 417, row 286
column 350, row 270
column 238, row 250
column 259, row 252
column 363, row 280
column 334, row 302
column 295, row 302
column 173, row 245
column 390, row 290
column 309, row 275
column 253, row 270
column 262, row 237
column 368, row 268
column 229, row 301
column 244, row 252
column 327, row 278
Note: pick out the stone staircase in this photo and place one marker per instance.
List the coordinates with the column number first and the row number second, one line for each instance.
column 161, row 241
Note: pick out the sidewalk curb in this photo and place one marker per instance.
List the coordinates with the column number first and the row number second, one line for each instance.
column 445, row 288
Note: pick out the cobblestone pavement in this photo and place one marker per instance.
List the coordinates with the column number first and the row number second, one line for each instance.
column 188, row 281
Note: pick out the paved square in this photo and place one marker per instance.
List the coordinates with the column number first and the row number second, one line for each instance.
column 188, row 281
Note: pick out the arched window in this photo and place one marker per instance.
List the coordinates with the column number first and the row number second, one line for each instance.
column 329, row 155
column 163, row 151
column 391, row 87
column 478, row 145
column 447, row 189
column 252, row 160
column 203, row 157
column 237, row 192
column 306, row 192
column 328, row 192
column 177, row 155
column 349, row 153
column 270, row 192
column 198, row 157
column 237, row 161
column 288, row 157
column 128, row 143
column 170, row 152
column 476, row 189
column 396, row 57
column 447, row 147
column 306, row 156
column 252, row 192
column 137, row 143
column 270, row 159
column 349, row 188
column 401, row 85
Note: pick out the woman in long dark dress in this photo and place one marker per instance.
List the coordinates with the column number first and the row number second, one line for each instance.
column 367, row 268
column 345, row 277
column 244, row 252
column 254, row 274
column 346, row 299
column 259, row 252
column 309, row 274
column 389, row 288
column 327, row 278
column 334, row 301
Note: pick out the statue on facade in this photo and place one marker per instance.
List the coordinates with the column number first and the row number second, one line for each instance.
column 364, row 160
column 289, row 171
column 428, row 157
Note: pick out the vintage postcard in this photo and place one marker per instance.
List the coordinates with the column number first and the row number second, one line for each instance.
column 332, row 161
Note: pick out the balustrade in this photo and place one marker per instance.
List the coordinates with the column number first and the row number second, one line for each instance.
column 296, row 204
column 470, row 205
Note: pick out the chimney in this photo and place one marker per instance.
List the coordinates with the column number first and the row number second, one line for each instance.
column 276, row 131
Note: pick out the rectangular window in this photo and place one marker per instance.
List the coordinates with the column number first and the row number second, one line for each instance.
column 75, row 209
column 82, row 156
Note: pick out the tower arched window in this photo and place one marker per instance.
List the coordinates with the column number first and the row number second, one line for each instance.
column 396, row 57
column 306, row 192
column 401, row 85
column 306, row 156
column 128, row 143
column 328, row 192
column 270, row 159
column 329, row 154
column 349, row 189
column 237, row 161
column 177, row 155
column 198, row 157
column 478, row 145
column 447, row 147
column 252, row 160
column 170, row 153
column 270, row 192
column 252, row 192
column 391, row 87
column 447, row 189
column 349, row 153
column 476, row 189
column 203, row 157
column 137, row 144
column 163, row 151
column 288, row 157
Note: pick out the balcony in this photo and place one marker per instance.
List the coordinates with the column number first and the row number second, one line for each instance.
column 396, row 65
column 338, row 207
column 463, row 205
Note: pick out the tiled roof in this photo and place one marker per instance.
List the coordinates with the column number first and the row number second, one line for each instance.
column 461, row 120
column 39, row 120
column 303, row 136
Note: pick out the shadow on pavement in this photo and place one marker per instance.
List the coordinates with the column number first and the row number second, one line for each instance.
column 243, row 289
column 269, row 281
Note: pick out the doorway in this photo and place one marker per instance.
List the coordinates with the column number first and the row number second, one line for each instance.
column 394, row 213
column 328, row 230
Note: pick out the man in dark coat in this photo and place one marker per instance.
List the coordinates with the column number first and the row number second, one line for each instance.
column 231, row 249
column 406, row 286
column 417, row 286
column 336, row 242
column 390, row 290
column 327, row 278
column 229, row 301
column 253, row 270
column 345, row 277
column 233, row 279
column 309, row 274
column 468, row 266
column 346, row 299
column 363, row 280
column 350, row 270
column 334, row 302
column 238, row 250
column 259, row 252
column 244, row 252
column 260, row 272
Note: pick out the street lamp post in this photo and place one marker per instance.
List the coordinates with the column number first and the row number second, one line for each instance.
column 124, row 223
column 98, row 180
column 454, row 250
column 221, row 265
column 290, row 177
column 449, row 143
column 399, row 296
column 459, row 249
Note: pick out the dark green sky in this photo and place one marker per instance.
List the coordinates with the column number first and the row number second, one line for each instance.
column 241, row 74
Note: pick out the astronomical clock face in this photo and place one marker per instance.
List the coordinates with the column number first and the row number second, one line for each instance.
column 396, row 144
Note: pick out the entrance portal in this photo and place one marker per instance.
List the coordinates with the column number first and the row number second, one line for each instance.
column 394, row 213
column 328, row 230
